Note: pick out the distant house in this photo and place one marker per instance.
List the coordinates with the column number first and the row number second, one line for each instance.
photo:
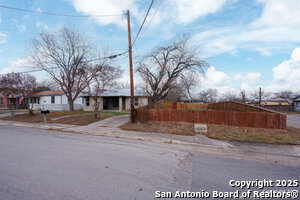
column 13, row 98
column 54, row 100
column 275, row 102
column 115, row 100
column 297, row 103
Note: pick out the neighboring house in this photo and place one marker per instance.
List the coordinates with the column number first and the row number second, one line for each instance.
column 13, row 98
column 269, row 102
column 297, row 103
column 54, row 100
column 115, row 100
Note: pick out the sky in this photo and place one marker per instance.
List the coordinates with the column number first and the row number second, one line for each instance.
column 247, row 44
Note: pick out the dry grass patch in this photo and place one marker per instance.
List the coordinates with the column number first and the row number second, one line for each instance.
column 161, row 127
column 85, row 119
column 269, row 136
column 82, row 120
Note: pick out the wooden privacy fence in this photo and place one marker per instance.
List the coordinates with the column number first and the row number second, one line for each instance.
column 229, row 105
column 230, row 118
column 177, row 105
column 236, row 106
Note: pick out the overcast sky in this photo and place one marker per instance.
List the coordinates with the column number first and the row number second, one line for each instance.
column 246, row 43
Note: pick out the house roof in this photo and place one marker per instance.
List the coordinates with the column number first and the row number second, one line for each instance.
column 125, row 92
column 46, row 93
column 296, row 98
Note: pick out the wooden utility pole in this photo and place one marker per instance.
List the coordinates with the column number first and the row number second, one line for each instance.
column 259, row 97
column 132, row 111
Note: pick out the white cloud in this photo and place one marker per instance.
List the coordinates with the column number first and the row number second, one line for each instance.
column 286, row 74
column 42, row 25
column 215, row 78
column 190, row 10
column 277, row 28
column 249, row 78
column 3, row 37
column 18, row 65
column 105, row 7
column 278, row 13
column 174, row 11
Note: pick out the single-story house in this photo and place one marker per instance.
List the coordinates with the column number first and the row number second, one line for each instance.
column 115, row 100
column 275, row 102
column 54, row 100
column 13, row 98
column 297, row 103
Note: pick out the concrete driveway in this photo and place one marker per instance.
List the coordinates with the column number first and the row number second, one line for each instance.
column 293, row 120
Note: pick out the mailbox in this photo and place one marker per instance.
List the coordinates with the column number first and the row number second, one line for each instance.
column 45, row 111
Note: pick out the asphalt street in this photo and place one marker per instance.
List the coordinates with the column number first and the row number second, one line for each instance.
column 40, row 164
column 293, row 120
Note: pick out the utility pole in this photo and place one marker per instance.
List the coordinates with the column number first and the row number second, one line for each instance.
column 132, row 111
column 259, row 97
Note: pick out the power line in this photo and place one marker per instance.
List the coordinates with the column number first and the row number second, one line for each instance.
column 137, row 35
column 153, row 16
column 87, row 61
column 56, row 14
column 108, row 57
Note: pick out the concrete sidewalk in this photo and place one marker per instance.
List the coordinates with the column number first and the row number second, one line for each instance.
column 109, row 128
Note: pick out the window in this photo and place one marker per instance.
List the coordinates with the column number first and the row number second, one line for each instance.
column 87, row 101
column 52, row 99
column 136, row 101
column 34, row 100
column 1, row 101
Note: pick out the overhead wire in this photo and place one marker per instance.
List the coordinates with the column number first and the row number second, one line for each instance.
column 152, row 16
column 68, row 15
column 56, row 14
column 137, row 35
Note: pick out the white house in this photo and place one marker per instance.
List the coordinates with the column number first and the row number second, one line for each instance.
column 116, row 100
column 54, row 100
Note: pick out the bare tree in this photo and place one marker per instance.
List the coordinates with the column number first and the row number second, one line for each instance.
column 165, row 65
column 65, row 57
column 183, row 88
column 230, row 96
column 209, row 95
column 24, row 84
column 260, row 95
column 106, row 79
column 243, row 94
column 46, row 85
column 286, row 95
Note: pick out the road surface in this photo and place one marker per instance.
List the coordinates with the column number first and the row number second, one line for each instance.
column 40, row 164
column 293, row 120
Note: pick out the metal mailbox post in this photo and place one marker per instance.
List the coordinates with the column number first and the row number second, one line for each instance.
column 45, row 112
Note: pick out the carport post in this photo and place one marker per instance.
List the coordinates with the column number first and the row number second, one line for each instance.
column 16, row 103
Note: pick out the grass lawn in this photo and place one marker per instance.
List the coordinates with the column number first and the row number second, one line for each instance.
column 269, row 136
column 85, row 119
column 161, row 127
column 229, row 133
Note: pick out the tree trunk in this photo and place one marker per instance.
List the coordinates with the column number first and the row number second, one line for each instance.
column 151, row 102
column 71, row 105
column 95, row 114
